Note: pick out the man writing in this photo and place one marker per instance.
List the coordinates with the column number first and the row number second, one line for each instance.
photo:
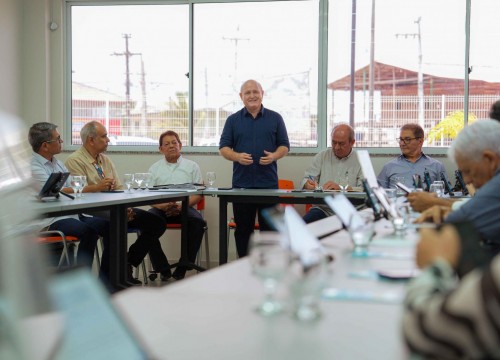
column 330, row 166
column 254, row 139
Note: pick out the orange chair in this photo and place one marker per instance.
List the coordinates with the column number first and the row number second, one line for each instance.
column 56, row 236
column 283, row 184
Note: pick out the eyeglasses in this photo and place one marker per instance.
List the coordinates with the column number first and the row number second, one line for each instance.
column 58, row 139
column 406, row 140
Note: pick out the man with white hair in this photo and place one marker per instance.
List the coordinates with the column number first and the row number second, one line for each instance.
column 476, row 151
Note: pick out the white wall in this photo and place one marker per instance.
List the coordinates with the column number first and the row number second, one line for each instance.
column 10, row 56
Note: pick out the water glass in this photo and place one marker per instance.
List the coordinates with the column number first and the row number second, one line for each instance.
column 438, row 188
column 139, row 179
column 307, row 278
column 269, row 259
column 128, row 180
column 400, row 179
column 343, row 181
column 76, row 184
column 361, row 229
column 148, row 178
column 84, row 183
column 211, row 179
column 392, row 194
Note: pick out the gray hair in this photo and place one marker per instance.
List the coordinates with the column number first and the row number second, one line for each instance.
column 89, row 130
column 474, row 139
column 39, row 133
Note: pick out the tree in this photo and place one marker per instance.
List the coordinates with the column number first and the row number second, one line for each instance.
column 449, row 127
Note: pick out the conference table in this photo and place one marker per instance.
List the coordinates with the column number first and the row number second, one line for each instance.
column 266, row 196
column 212, row 315
column 117, row 203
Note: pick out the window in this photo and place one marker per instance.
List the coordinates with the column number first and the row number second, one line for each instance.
column 178, row 65
column 131, row 67
column 407, row 65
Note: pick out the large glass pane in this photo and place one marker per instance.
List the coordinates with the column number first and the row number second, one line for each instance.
column 484, row 78
column 407, row 66
column 275, row 43
column 129, row 66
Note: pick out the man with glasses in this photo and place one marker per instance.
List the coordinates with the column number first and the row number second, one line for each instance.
column 46, row 144
column 331, row 166
column 412, row 160
column 101, row 175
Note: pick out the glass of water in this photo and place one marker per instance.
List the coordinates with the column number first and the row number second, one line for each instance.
column 84, row 183
column 343, row 181
column 128, row 180
column 269, row 259
column 361, row 229
column 211, row 179
column 438, row 188
column 76, row 184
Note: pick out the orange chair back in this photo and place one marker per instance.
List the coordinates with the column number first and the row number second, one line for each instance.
column 286, row 184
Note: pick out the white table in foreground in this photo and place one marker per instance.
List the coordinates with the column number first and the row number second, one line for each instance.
column 210, row 316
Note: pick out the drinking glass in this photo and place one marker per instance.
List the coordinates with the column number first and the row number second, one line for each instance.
column 400, row 179
column 361, row 229
column 343, row 181
column 211, row 179
column 139, row 178
column 148, row 178
column 269, row 259
column 76, row 184
column 128, row 180
column 438, row 188
column 84, row 183
column 306, row 280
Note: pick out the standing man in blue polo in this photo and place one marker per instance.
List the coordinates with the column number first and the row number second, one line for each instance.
column 254, row 139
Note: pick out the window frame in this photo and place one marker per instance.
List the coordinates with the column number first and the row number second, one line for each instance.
column 322, row 81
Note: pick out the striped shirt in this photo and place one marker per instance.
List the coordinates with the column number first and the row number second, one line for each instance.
column 446, row 320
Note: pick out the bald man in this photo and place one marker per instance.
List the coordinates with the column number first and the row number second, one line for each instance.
column 332, row 166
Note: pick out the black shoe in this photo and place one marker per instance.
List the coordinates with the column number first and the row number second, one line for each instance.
column 130, row 277
column 179, row 273
column 165, row 275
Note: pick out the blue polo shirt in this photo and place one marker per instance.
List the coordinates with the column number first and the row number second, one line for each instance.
column 243, row 133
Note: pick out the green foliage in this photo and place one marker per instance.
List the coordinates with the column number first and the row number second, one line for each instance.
column 450, row 126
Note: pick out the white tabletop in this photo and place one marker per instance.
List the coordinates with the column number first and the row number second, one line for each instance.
column 211, row 316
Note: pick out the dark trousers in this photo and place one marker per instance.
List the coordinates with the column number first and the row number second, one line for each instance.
column 314, row 214
column 244, row 217
column 196, row 229
column 151, row 228
column 87, row 235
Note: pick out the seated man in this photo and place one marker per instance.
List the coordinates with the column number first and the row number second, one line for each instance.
column 412, row 160
column 331, row 166
column 46, row 143
column 477, row 154
column 175, row 169
column 101, row 175
column 444, row 319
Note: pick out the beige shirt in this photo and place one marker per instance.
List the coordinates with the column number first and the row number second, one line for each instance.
column 82, row 163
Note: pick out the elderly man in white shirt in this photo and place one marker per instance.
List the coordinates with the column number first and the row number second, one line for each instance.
column 175, row 169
